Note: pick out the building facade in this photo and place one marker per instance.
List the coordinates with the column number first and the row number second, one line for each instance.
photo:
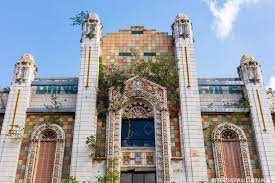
column 216, row 130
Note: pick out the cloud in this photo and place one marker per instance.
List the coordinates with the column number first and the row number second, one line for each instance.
column 272, row 82
column 225, row 14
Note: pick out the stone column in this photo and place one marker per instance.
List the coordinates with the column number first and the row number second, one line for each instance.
column 192, row 134
column 15, row 116
column 86, row 114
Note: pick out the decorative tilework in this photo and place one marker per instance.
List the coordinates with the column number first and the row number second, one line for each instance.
column 101, row 137
column 116, row 47
column 210, row 121
column 34, row 120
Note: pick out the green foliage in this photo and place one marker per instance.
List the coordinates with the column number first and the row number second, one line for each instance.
column 71, row 179
column 79, row 18
column 162, row 71
column 91, row 144
column 15, row 133
column 111, row 175
column 53, row 107
column 6, row 89
column 95, row 145
column 273, row 117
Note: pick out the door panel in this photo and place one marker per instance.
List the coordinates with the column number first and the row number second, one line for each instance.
column 138, row 177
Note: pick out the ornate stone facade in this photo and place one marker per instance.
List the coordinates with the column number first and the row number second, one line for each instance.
column 191, row 130
column 153, row 96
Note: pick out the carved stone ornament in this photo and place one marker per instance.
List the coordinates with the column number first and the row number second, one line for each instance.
column 92, row 26
column 141, row 99
column 45, row 132
column 182, row 26
column 230, row 132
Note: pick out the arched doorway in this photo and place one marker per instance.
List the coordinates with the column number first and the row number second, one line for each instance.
column 231, row 154
column 45, row 157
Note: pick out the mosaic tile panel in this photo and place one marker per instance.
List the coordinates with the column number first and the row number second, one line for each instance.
column 210, row 121
column 137, row 43
column 101, row 137
column 175, row 131
column 34, row 120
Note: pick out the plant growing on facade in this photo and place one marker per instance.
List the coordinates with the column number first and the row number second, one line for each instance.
column 15, row 133
column 95, row 145
column 162, row 71
column 111, row 175
column 53, row 108
column 78, row 19
column 72, row 179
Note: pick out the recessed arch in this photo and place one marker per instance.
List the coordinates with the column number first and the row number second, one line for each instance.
column 138, row 89
column 47, row 146
column 231, row 152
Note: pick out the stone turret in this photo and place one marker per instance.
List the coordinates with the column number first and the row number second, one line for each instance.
column 91, row 28
column 25, row 69
column 182, row 28
column 250, row 70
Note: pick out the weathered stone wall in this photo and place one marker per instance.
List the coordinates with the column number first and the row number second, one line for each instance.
column 210, row 121
column 33, row 121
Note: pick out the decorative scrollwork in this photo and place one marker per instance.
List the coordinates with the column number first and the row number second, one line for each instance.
column 138, row 110
column 141, row 99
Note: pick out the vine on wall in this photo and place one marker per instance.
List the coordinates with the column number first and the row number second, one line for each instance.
column 111, row 175
column 162, row 71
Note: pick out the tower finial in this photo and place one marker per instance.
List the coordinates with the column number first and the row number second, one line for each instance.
column 182, row 27
column 91, row 27
column 250, row 70
column 25, row 68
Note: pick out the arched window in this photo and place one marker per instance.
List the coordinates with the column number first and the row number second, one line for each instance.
column 231, row 153
column 45, row 157
column 138, row 126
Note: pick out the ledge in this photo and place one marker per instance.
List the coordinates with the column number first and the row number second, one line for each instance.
column 177, row 158
column 54, row 81
column 224, row 110
column 44, row 110
column 220, row 81
column 99, row 158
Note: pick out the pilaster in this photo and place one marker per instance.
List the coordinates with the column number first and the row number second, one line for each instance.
column 192, row 134
column 86, row 115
